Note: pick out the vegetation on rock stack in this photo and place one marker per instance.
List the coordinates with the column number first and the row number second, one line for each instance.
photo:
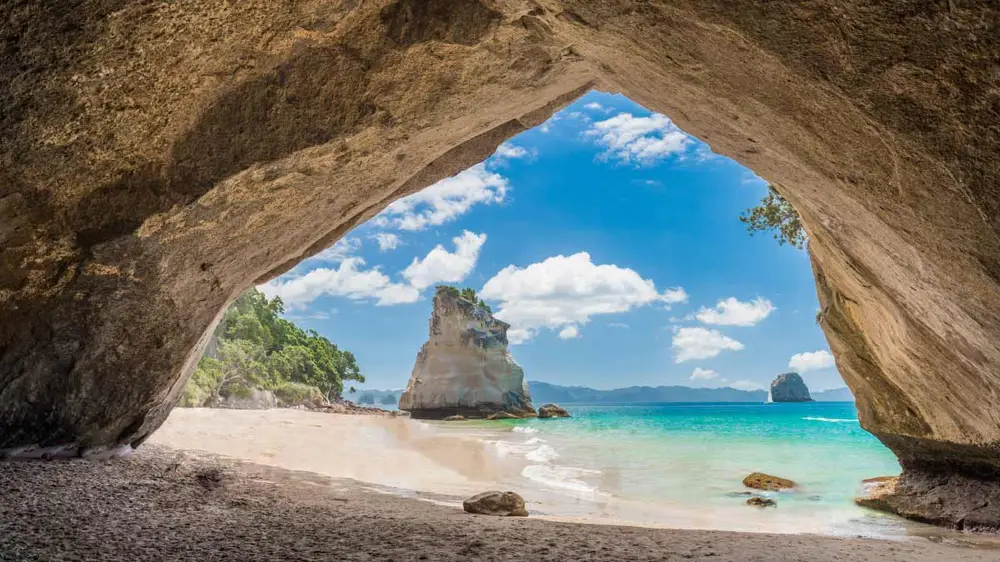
column 468, row 294
column 258, row 349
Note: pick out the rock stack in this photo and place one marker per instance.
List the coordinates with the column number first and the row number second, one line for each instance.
column 464, row 369
column 789, row 387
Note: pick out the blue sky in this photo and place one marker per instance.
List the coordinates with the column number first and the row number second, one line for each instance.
column 607, row 237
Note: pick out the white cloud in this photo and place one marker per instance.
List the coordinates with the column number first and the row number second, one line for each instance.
column 701, row 343
column 566, row 290
column 348, row 280
column 675, row 295
column 446, row 200
column 337, row 253
column 440, row 265
column 811, row 361
column 569, row 332
column 386, row 241
column 733, row 312
column 618, row 325
column 510, row 151
column 640, row 140
column 746, row 385
column 703, row 374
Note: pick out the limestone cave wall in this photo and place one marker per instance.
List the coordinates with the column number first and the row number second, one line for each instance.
column 157, row 158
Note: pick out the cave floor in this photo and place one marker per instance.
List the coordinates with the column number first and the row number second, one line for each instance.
column 166, row 504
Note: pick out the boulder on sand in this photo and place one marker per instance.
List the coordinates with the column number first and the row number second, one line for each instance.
column 496, row 503
column 758, row 501
column 503, row 416
column 552, row 411
column 762, row 481
column 454, row 418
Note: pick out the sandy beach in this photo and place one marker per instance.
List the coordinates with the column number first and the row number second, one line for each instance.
column 279, row 485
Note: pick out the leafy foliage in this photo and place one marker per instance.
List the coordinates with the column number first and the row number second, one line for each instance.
column 777, row 215
column 257, row 348
column 470, row 295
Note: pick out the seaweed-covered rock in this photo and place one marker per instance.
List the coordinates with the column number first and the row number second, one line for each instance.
column 758, row 501
column 761, row 481
column 552, row 411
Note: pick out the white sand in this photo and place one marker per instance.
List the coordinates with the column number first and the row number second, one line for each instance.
column 386, row 451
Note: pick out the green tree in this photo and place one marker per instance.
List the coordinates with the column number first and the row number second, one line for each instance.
column 470, row 295
column 389, row 399
column 260, row 349
column 777, row 215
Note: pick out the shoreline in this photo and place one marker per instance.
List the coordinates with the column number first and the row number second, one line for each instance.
column 447, row 462
column 169, row 504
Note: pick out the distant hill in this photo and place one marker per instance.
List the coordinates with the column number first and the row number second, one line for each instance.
column 834, row 395
column 380, row 398
column 543, row 392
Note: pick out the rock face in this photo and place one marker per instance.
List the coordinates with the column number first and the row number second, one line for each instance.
column 955, row 501
column 761, row 481
column 159, row 158
column 789, row 387
column 496, row 503
column 552, row 411
column 464, row 368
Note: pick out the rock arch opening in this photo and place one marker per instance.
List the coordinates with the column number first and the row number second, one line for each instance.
column 129, row 218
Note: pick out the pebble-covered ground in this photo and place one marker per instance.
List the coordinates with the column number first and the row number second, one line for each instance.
column 164, row 504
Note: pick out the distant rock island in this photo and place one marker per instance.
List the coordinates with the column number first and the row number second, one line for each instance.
column 464, row 368
column 789, row 387
column 547, row 392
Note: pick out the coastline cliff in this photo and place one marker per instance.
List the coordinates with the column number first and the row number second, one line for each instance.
column 464, row 368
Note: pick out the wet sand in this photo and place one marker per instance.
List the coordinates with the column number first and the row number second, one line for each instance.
column 165, row 504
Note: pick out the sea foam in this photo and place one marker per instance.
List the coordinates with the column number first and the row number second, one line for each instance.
column 831, row 420
column 563, row 478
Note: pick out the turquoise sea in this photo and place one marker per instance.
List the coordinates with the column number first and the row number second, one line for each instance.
column 682, row 465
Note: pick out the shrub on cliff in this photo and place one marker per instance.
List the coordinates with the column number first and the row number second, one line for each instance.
column 777, row 215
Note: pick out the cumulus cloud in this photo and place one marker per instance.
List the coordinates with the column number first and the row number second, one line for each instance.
column 510, row 151
column 445, row 201
column 811, row 361
column 442, row 266
column 675, row 295
column 341, row 250
column 639, row 140
column 734, row 312
column 386, row 241
column 700, row 374
column 569, row 332
column 746, row 385
column 700, row 343
column 349, row 280
column 566, row 290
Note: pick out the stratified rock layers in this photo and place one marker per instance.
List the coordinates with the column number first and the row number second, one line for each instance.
column 157, row 158
column 464, row 369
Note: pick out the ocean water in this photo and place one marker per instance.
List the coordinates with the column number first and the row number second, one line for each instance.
column 682, row 465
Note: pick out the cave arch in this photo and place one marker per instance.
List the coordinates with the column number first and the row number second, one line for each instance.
column 160, row 158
